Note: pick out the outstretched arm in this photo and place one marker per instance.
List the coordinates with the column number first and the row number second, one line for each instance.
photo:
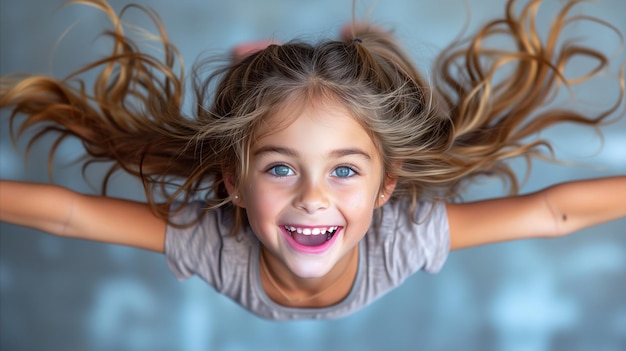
column 554, row 211
column 62, row 212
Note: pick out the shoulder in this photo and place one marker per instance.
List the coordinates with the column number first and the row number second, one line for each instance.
column 200, row 241
column 189, row 215
column 198, row 223
column 397, row 215
column 405, row 242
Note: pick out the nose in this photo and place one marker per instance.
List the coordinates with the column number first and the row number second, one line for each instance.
column 312, row 197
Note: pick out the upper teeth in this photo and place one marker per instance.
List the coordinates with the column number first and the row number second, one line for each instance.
column 311, row 231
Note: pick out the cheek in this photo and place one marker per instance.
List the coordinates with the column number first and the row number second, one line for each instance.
column 358, row 200
column 362, row 196
column 258, row 214
column 253, row 203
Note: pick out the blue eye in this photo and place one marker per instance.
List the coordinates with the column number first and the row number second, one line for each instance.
column 343, row 172
column 280, row 171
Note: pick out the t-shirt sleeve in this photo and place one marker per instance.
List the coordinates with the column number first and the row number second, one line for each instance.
column 413, row 244
column 196, row 249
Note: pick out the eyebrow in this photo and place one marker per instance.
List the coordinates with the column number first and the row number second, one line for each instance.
column 293, row 153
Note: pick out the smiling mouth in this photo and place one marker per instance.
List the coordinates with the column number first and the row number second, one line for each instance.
column 311, row 236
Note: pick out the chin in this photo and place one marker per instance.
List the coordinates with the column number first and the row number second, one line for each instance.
column 311, row 270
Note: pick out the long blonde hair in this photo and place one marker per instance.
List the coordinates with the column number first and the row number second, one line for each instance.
column 433, row 136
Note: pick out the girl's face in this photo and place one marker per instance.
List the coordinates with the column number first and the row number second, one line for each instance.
column 312, row 188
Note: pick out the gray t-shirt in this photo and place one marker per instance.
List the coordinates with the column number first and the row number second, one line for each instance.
column 229, row 262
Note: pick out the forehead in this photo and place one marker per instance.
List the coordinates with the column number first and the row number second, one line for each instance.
column 314, row 125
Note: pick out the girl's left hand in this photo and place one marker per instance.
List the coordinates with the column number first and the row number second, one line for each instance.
column 555, row 211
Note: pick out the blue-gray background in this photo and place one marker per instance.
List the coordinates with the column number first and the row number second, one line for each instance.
column 58, row 294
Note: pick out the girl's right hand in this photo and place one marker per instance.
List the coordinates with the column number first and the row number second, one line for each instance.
column 60, row 211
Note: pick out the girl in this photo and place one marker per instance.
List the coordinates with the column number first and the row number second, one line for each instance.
column 312, row 179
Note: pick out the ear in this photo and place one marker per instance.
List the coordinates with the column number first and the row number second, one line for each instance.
column 385, row 193
column 231, row 187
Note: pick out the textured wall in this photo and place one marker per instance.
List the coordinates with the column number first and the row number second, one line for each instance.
column 55, row 294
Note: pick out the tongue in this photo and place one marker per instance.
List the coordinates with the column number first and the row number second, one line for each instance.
column 309, row 240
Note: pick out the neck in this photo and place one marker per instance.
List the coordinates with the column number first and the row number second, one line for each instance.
column 287, row 289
